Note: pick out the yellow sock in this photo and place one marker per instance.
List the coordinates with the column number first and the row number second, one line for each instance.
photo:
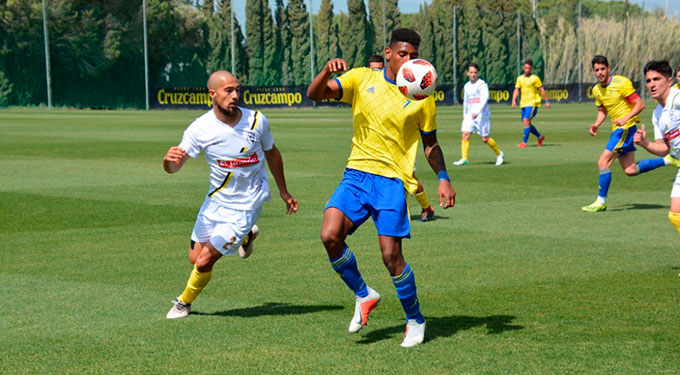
column 674, row 217
column 493, row 146
column 197, row 281
column 465, row 148
column 422, row 200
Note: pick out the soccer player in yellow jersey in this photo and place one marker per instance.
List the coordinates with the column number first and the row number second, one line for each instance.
column 677, row 77
column 532, row 91
column 615, row 96
column 376, row 62
column 387, row 126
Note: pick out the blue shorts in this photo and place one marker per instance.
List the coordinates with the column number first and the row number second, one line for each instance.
column 621, row 141
column 529, row 112
column 362, row 194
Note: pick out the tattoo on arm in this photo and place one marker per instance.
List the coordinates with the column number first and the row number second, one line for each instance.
column 435, row 157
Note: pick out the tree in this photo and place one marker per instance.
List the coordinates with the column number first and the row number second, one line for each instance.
column 326, row 34
column 298, row 21
column 261, row 42
column 283, row 40
column 355, row 34
column 220, row 43
column 381, row 35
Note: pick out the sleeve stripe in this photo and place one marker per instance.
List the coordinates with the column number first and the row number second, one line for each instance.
column 257, row 115
column 340, row 87
column 428, row 133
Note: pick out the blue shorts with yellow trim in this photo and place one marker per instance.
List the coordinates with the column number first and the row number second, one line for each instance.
column 361, row 195
column 529, row 112
column 621, row 140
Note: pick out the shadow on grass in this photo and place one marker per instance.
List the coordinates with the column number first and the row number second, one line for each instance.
column 272, row 308
column 447, row 326
column 636, row 206
column 435, row 218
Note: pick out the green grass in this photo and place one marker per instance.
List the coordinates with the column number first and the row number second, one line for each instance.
column 514, row 280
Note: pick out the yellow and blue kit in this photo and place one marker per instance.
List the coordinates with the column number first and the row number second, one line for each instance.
column 529, row 94
column 617, row 97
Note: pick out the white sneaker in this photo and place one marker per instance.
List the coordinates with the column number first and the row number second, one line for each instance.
column 246, row 247
column 414, row 335
column 461, row 162
column 499, row 159
column 362, row 308
column 179, row 309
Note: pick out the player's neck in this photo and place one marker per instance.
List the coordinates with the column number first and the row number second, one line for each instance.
column 228, row 119
column 664, row 97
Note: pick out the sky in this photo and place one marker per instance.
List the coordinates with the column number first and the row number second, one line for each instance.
column 411, row 6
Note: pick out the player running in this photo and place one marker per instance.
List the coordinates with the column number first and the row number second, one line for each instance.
column 615, row 95
column 380, row 168
column 476, row 115
column 235, row 141
column 532, row 91
column 666, row 120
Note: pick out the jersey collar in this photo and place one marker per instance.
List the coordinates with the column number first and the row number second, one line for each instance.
column 608, row 82
column 387, row 79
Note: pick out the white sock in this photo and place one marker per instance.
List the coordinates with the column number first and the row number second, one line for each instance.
column 601, row 200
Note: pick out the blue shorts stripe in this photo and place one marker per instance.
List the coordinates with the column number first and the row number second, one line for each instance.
column 621, row 141
column 529, row 112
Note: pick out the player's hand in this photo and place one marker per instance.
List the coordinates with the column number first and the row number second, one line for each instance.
column 337, row 65
column 593, row 129
column 640, row 136
column 620, row 121
column 474, row 115
column 514, row 104
column 291, row 203
column 174, row 155
column 548, row 105
column 447, row 196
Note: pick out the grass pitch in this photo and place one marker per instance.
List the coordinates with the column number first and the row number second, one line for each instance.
column 514, row 280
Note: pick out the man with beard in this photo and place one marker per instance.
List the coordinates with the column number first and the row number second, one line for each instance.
column 235, row 141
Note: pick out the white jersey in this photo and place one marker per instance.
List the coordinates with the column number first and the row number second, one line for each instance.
column 235, row 156
column 476, row 99
column 666, row 122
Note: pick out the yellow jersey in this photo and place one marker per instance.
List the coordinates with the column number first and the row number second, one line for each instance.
column 676, row 86
column 529, row 94
column 387, row 125
column 616, row 97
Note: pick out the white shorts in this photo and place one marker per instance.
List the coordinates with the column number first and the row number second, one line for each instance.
column 675, row 192
column 481, row 125
column 224, row 227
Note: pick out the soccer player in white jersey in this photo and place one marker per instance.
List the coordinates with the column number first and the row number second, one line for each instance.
column 235, row 141
column 476, row 115
column 666, row 120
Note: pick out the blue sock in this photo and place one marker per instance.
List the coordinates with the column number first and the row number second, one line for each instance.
column 407, row 293
column 605, row 181
column 534, row 131
column 346, row 267
column 526, row 134
column 648, row 164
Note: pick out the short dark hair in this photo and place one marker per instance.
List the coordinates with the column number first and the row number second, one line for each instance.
column 405, row 35
column 529, row 62
column 661, row 66
column 599, row 59
column 375, row 58
column 677, row 69
column 473, row 65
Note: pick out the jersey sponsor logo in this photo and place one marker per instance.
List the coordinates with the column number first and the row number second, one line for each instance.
column 675, row 133
column 474, row 100
column 238, row 163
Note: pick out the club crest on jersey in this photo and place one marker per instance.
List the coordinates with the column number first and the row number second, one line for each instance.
column 240, row 162
column 251, row 137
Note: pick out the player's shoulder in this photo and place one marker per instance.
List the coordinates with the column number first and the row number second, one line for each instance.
column 481, row 82
column 620, row 80
column 203, row 120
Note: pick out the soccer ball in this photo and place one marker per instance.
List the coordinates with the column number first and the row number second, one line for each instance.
column 417, row 79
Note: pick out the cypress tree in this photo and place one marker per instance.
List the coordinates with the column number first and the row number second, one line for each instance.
column 298, row 20
column 356, row 29
column 261, row 41
column 220, row 43
column 326, row 35
column 284, row 54
column 392, row 21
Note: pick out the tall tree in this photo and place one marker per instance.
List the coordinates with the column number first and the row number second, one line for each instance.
column 260, row 37
column 497, row 66
column 355, row 34
column 220, row 43
column 326, row 35
column 298, row 21
column 381, row 35
column 283, row 40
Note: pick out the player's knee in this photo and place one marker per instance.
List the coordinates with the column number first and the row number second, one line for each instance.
column 330, row 238
column 485, row 140
column 393, row 260
column 630, row 171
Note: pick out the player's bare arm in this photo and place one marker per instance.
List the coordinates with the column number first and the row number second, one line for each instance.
column 658, row 147
column 545, row 97
column 174, row 159
column 599, row 119
column 638, row 106
column 275, row 163
column 321, row 88
column 435, row 156
column 515, row 94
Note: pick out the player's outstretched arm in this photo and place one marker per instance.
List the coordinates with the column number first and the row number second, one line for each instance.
column 599, row 119
column 321, row 88
column 435, row 156
column 658, row 147
column 174, row 159
column 275, row 163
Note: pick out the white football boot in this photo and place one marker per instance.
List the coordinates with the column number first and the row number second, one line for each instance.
column 499, row 159
column 362, row 308
column 179, row 309
column 246, row 247
column 414, row 335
